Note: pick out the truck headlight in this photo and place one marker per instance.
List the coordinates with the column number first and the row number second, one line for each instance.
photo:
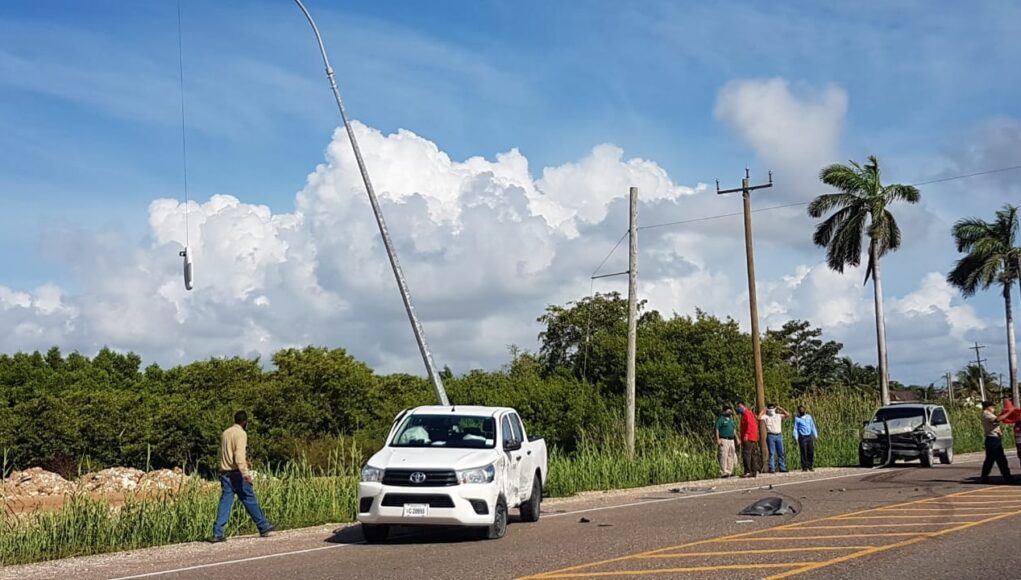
column 477, row 475
column 867, row 435
column 372, row 474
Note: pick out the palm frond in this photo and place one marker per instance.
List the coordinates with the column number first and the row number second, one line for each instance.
column 847, row 179
column 968, row 231
column 824, row 231
column 899, row 192
column 830, row 201
column 844, row 248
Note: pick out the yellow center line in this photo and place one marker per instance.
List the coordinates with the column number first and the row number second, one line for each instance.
column 871, row 526
column 910, row 509
column 673, row 570
column 829, row 537
column 735, row 553
column 876, row 549
column 906, row 516
column 745, row 535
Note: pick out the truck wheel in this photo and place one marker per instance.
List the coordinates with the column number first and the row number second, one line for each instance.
column 375, row 533
column 927, row 458
column 530, row 509
column 864, row 459
column 946, row 457
column 498, row 528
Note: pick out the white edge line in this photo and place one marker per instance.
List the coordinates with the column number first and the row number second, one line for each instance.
column 595, row 509
column 225, row 562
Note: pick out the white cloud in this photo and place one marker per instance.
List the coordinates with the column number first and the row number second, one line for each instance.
column 485, row 247
column 796, row 133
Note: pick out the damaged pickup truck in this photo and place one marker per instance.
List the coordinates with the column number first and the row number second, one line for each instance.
column 907, row 432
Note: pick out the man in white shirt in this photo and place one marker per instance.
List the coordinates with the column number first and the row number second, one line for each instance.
column 773, row 417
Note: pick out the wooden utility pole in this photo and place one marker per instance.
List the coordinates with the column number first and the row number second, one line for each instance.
column 981, row 373
column 950, row 387
column 746, row 190
column 632, row 322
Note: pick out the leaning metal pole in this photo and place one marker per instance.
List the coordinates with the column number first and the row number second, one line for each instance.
column 423, row 347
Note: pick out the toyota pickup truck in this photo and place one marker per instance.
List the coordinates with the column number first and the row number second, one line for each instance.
column 452, row 466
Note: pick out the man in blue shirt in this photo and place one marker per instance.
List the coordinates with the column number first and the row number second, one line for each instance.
column 806, row 434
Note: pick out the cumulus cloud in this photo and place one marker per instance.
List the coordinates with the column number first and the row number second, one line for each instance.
column 485, row 246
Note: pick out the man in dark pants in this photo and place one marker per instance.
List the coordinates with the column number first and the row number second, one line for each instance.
column 236, row 479
column 751, row 455
column 805, row 434
column 994, row 443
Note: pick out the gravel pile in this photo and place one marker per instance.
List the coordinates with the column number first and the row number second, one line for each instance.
column 114, row 479
column 34, row 482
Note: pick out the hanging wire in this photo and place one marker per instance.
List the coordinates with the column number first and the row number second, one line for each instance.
column 184, row 138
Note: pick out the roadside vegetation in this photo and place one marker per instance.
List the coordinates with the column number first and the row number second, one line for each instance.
column 317, row 413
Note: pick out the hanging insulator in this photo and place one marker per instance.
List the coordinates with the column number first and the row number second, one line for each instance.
column 189, row 271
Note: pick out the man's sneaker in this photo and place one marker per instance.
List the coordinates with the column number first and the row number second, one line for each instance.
column 267, row 532
column 217, row 540
column 783, row 471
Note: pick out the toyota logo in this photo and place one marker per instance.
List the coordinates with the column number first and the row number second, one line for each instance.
column 417, row 477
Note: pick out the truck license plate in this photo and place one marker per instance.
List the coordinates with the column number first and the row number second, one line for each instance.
column 416, row 510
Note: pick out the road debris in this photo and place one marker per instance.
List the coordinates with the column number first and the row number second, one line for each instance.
column 770, row 506
column 584, row 521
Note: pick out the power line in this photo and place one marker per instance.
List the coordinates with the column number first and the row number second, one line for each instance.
column 783, row 206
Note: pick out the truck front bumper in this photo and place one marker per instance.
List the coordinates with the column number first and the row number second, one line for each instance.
column 455, row 505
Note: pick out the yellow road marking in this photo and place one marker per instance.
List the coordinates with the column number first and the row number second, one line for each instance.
column 672, row 570
column 904, row 516
column 733, row 553
column 870, row 526
column 910, row 509
column 828, row 537
column 873, row 550
column 745, row 536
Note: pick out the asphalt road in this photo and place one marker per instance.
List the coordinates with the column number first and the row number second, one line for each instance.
column 937, row 523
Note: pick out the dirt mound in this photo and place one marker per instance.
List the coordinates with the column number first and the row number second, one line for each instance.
column 111, row 480
column 35, row 481
column 169, row 479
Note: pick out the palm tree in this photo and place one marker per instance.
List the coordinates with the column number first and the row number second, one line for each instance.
column 861, row 212
column 992, row 258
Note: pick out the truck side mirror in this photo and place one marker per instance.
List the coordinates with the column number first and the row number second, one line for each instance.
column 511, row 445
column 865, row 424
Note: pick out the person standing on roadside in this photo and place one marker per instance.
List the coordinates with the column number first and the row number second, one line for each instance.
column 805, row 434
column 726, row 432
column 994, row 443
column 236, row 479
column 773, row 417
column 751, row 455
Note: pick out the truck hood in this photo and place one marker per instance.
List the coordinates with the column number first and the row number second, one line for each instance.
column 897, row 426
column 432, row 458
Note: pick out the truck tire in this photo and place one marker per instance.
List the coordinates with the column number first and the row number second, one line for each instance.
column 498, row 528
column 864, row 459
column 375, row 533
column 530, row 509
column 946, row 457
column 927, row 458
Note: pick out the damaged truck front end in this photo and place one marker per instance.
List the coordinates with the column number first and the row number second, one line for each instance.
column 906, row 433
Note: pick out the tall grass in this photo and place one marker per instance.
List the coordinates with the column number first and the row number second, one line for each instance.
column 296, row 495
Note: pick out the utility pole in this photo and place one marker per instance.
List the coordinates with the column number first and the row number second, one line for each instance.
column 384, row 233
column 632, row 322
column 950, row 387
column 746, row 190
column 981, row 373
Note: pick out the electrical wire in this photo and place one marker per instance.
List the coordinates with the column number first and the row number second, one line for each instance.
column 787, row 205
column 184, row 138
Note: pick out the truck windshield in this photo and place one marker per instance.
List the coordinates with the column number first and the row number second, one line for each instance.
column 891, row 413
column 463, row 432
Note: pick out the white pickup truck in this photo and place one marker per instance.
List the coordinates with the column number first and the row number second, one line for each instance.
column 452, row 466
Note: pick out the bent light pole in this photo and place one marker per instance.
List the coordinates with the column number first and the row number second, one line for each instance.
column 423, row 347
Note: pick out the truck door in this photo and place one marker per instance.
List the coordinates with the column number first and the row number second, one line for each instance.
column 527, row 460
column 512, row 459
column 940, row 424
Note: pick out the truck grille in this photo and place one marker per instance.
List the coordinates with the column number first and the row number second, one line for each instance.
column 433, row 477
column 434, row 500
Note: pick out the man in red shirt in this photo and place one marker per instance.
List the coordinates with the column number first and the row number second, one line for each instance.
column 751, row 455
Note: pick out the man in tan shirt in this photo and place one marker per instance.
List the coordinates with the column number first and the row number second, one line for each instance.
column 994, row 443
column 236, row 479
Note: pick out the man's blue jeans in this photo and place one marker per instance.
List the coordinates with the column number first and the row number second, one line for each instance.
column 233, row 483
column 776, row 453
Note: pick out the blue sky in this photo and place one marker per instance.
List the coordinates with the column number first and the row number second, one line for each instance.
column 89, row 103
